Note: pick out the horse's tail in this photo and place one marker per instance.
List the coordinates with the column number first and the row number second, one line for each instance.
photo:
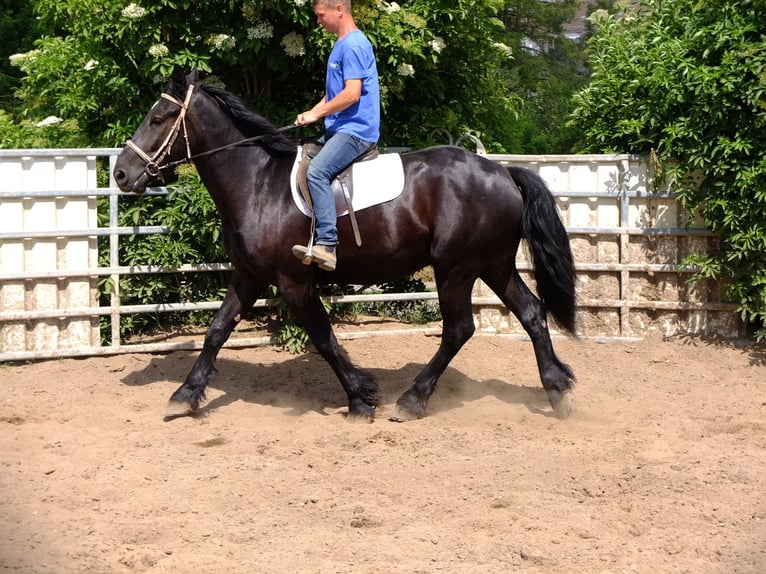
column 549, row 243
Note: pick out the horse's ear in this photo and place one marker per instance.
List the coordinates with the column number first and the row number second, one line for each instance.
column 178, row 78
column 193, row 77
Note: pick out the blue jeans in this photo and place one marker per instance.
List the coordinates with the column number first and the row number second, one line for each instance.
column 339, row 150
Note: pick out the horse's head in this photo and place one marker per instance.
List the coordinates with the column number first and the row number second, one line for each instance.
column 148, row 156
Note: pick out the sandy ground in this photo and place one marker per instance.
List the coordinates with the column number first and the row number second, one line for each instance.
column 661, row 468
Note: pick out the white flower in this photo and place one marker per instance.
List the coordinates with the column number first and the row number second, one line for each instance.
column 158, row 51
column 49, row 121
column 505, row 49
column 405, row 70
column 391, row 7
column 17, row 59
column 300, row 3
column 133, row 11
column 91, row 64
column 437, row 44
column 221, row 41
column 293, row 45
column 261, row 31
column 21, row 59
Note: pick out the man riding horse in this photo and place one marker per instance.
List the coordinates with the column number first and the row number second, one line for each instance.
column 351, row 112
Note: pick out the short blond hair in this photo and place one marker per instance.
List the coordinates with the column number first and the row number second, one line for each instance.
column 331, row 3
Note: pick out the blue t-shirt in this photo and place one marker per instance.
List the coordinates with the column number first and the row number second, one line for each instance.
column 352, row 58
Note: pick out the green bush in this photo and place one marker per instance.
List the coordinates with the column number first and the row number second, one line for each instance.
column 105, row 62
column 685, row 83
column 51, row 132
column 193, row 236
column 419, row 311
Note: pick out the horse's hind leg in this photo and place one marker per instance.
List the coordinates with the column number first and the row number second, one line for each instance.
column 557, row 377
column 240, row 296
column 458, row 327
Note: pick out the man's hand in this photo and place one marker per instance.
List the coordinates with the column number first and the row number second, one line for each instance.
column 306, row 118
column 349, row 95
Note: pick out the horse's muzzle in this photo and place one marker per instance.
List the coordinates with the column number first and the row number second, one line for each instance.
column 147, row 178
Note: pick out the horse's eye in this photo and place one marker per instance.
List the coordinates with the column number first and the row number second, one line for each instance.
column 156, row 120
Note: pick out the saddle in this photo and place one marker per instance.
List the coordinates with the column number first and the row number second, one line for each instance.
column 342, row 185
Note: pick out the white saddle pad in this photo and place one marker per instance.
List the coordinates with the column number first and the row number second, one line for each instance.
column 375, row 181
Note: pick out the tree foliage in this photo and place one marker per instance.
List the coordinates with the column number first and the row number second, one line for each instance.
column 103, row 62
column 685, row 81
column 547, row 69
column 18, row 30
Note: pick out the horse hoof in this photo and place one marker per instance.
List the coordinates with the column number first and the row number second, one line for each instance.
column 360, row 418
column 402, row 415
column 361, row 413
column 177, row 409
column 562, row 403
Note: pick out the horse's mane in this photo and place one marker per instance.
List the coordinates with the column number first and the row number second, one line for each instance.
column 249, row 122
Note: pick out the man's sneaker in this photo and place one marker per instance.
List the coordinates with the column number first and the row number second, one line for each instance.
column 322, row 255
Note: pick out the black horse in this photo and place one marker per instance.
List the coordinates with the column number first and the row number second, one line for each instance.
column 463, row 214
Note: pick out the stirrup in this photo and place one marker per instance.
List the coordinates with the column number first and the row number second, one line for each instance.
column 303, row 253
column 307, row 256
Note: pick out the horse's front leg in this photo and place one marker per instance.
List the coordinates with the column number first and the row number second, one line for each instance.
column 360, row 386
column 240, row 296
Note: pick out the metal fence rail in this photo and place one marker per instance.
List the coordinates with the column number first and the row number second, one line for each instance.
column 622, row 191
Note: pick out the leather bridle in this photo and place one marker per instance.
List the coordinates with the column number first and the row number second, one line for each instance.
column 154, row 165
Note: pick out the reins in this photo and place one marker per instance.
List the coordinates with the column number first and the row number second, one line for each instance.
column 227, row 146
column 154, row 164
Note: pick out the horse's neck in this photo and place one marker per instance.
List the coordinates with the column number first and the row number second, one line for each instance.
column 244, row 175
column 238, row 176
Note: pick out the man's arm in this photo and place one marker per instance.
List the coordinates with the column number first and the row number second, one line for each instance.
column 349, row 95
